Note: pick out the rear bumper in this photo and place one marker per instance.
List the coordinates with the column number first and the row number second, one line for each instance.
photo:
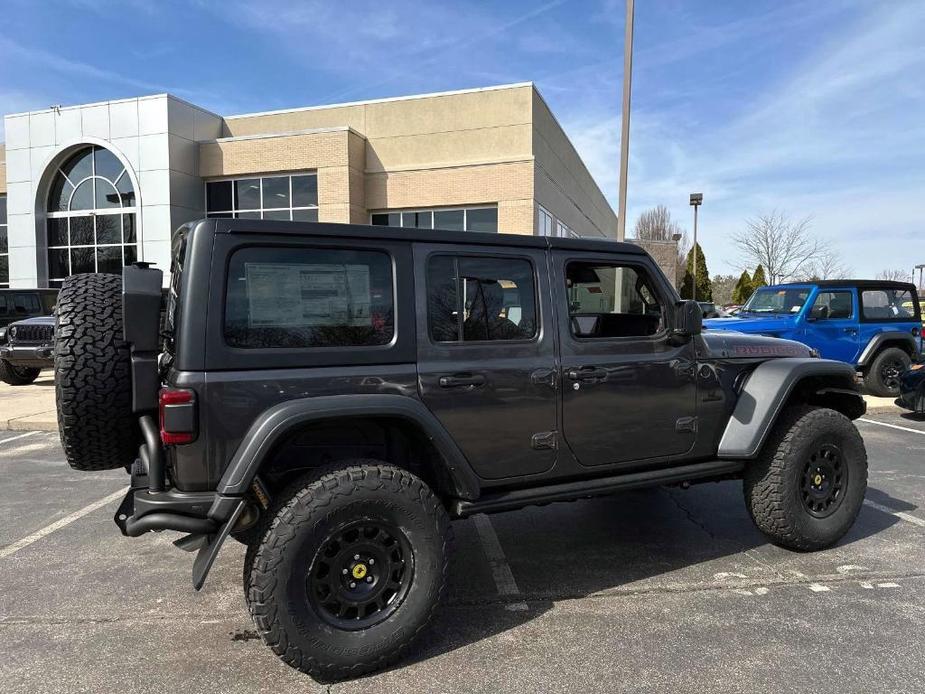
column 207, row 517
column 37, row 356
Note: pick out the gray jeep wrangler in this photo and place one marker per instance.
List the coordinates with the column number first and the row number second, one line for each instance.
column 333, row 396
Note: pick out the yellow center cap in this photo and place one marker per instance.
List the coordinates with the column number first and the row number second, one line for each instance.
column 818, row 480
column 359, row 571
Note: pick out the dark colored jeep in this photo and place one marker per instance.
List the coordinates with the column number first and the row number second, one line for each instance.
column 334, row 395
column 26, row 350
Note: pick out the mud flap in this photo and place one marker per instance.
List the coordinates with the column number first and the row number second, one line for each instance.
column 209, row 551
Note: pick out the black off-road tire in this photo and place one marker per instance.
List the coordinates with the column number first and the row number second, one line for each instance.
column 17, row 375
column 278, row 567
column 93, row 387
column 773, row 482
column 877, row 381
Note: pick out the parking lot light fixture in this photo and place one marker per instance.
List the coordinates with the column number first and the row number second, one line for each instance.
column 696, row 201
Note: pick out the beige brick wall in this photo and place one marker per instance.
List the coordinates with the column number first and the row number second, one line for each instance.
column 494, row 146
column 508, row 185
column 665, row 254
column 564, row 185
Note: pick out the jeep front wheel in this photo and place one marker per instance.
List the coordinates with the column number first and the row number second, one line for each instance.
column 807, row 486
column 17, row 375
column 882, row 378
column 350, row 570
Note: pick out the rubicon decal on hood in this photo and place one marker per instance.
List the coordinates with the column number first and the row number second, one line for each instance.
column 783, row 349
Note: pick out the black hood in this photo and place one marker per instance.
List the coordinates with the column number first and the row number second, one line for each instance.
column 727, row 344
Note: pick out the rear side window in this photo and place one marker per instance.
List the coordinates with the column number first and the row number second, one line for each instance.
column 309, row 297
column 474, row 299
column 887, row 304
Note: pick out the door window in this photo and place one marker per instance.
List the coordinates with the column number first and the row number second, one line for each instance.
column 832, row 306
column 480, row 299
column 611, row 300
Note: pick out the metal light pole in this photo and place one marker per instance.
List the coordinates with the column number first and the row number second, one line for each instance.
column 625, row 116
column 696, row 201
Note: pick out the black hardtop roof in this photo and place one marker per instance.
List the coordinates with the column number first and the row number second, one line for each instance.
column 382, row 233
column 865, row 284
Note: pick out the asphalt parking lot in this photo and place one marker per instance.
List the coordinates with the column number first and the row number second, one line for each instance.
column 657, row 590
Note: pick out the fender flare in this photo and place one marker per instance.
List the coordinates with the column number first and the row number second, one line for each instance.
column 763, row 397
column 879, row 339
column 271, row 426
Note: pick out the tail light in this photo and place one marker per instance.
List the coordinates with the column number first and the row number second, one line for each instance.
column 177, row 409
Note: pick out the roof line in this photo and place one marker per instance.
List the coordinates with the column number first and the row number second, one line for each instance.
column 365, row 102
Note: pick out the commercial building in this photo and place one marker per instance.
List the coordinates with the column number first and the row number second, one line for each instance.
column 90, row 187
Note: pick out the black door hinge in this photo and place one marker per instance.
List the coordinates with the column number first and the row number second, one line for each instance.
column 686, row 425
column 545, row 440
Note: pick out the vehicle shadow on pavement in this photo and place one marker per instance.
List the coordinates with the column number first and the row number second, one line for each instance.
column 880, row 497
column 634, row 542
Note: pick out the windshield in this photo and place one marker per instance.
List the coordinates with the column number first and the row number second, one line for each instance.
column 777, row 300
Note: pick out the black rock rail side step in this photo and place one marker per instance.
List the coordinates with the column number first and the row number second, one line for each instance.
column 567, row 491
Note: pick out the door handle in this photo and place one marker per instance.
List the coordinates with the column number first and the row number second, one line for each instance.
column 461, row 380
column 587, row 373
column 851, row 331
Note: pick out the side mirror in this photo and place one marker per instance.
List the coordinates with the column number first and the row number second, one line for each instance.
column 688, row 320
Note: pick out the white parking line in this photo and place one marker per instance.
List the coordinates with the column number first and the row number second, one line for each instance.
column 58, row 524
column 500, row 569
column 892, row 426
column 18, row 436
column 915, row 520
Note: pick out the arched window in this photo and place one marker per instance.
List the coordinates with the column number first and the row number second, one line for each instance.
column 91, row 216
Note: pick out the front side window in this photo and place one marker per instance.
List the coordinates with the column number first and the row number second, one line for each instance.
column 265, row 197
column 474, row 299
column 608, row 300
column 777, row 300
column 91, row 220
column 832, row 306
column 887, row 304
column 309, row 297
column 4, row 246
column 459, row 219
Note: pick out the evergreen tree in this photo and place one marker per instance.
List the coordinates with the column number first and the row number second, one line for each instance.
column 758, row 279
column 704, row 287
column 743, row 288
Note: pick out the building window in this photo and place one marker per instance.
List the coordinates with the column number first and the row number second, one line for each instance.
column 264, row 197
column 544, row 222
column 564, row 231
column 4, row 246
column 447, row 219
column 91, row 216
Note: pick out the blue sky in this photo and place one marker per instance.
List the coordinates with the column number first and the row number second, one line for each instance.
column 813, row 108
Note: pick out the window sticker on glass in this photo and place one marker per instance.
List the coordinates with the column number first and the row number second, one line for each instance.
column 283, row 296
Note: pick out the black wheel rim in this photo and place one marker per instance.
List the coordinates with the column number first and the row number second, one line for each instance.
column 890, row 373
column 361, row 574
column 825, row 479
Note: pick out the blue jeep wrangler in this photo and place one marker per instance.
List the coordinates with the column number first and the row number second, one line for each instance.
column 874, row 325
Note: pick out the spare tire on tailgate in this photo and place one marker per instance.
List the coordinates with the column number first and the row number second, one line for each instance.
column 93, row 386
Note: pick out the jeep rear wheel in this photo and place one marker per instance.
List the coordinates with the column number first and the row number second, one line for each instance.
column 17, row 375
column 93, row 388
column 350, row 570
column 807, row 486
column 882, row 378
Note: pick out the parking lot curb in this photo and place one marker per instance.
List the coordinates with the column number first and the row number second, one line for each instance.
column 30, row 423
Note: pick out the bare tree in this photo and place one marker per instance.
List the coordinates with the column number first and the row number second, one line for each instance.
column 784, row 247
column 895, row 275
column 656, row 224
column 828, row 265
